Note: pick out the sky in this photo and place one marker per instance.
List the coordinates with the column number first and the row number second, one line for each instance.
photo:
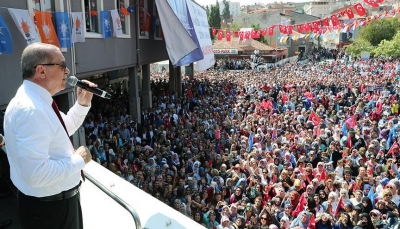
column 247, row 2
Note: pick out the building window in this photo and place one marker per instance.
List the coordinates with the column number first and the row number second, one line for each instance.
column 41, row 5
column 124, row 19
column 92, row 10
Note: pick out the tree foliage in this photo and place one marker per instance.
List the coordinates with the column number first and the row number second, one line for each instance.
column 389, row 48
column 360, row 45
column 226, row 14
column 208, row 11
column 379, row 30
column 262, row 39
column 214, row 19
column 235, row 27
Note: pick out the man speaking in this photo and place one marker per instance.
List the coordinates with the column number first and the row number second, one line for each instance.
column 44, row 166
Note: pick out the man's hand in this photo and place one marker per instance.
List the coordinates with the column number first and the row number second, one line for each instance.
column 85, row 97
column 84, row 152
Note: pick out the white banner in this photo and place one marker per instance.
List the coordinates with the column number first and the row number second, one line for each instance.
column 225, row 51
column 117, row 27
column 78, row 30
column 178, row 41
column 25, row 25
column 200, row 24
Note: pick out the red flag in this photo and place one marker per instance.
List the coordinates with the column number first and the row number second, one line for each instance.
column 391, row 150
column 316, row 24
column 339, row 206
column 379, row 1
column 371, row 3
column 247, row 35
column 309, row 26
column 282, row 29
column 236, row 33
column 264, row 32
column 241, row 36
column 311, row 225
column 271, row 31
column 258, row 34
column 289, row 29
column 323, row 175
column 299, row 28
column 300, row 206
column 349, row 142
column 350, row 13
column 253, row 34
column 342, row 13
column 214, row 31
column 285, row 98
column 220, row 34
column 228, row 35
column 351, row 122
column 325, row 22
column 266, row 104
column 314, row 118
column 335, row 20
column 360, row 9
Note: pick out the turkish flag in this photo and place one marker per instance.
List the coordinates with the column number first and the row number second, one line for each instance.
column 214, row 31
column 351, row 122
column 264, row 32
column 241, row 36
column 299, row 28
column 342, row 13
column 309, row 26
column 360, row 9
column 335, row 20
column 316, row 24
column 314, row 118
column 247, row 35
column 282, row 29
column 289, row 29
column 228, row 35
column 350, row 13
column 236, row 33
column 339, row 206
column 271, row 31
column 220, row 34
column 371, row 3
column 300, row 207
column 253, row 34
column 311, row 224
column 258, row 34
column 325, row 22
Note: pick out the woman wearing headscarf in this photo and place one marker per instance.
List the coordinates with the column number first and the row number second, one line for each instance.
column 331, row 204
column 236, row 195
column 365, row 222
column 302, row 221
column 366, row 205
column 343, row 222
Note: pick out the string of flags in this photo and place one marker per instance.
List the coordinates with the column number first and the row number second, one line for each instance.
column 316, row 28
column 68, row 27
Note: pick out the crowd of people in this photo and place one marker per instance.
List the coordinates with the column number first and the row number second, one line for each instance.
column 306, row 145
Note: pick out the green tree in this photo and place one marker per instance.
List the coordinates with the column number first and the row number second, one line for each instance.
column 360, row 45
column 262, row 39
column 208, row 11
column 236, row 27
column 389, row 48
column 379, row 30
column 214, row 19
column 226, row 14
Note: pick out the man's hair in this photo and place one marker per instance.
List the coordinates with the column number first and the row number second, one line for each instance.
column 34, row 54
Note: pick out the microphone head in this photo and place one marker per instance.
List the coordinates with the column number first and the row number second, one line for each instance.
column 72, row 80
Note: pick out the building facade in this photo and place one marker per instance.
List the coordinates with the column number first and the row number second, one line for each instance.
column 234, row 8
column 323, row 8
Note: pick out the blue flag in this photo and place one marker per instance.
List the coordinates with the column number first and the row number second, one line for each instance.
column 5, row 38
column 250, row 141
column 344, row 130
column 371, row 195
column 63, row 26
column 105, row 24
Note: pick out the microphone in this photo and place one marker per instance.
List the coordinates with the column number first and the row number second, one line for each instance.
column 73, row 81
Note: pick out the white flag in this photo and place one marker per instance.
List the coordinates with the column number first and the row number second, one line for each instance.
column 25, row 25
column 78, row 30
column 117, row 27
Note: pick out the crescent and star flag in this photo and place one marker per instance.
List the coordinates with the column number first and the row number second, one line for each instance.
column 241, row 36
column 220, row 34
column 5, row 38
column 270, row 31
column 350, row 13
column 63, row 26
column 214, row 31
column 228, row 35
column 25, row 25
column 78, row 32
column 264, row 32
column 351, row 122
column 314, row 118
column 371, row 3
column 360, row 9
column 247, row 35
column 325, row 22
column 335, row 20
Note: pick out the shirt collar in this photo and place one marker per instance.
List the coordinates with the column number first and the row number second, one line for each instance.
column 38, row 90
